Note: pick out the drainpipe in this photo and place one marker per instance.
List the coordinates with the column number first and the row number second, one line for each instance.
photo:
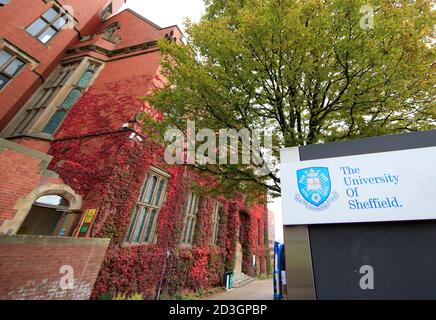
column 163, row 275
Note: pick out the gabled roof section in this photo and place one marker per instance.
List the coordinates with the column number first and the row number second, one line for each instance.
column 146, row 20
column 134, row 34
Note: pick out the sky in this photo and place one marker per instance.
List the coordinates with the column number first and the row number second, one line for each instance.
column 166, row 13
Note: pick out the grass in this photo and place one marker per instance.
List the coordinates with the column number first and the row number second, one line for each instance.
column 199, row 294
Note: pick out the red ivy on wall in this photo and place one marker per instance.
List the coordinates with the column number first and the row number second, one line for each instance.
column 108, row 170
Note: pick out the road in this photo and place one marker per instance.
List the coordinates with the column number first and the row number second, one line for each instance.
column 256, row 290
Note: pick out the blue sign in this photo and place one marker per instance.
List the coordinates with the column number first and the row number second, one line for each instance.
column 314, row 184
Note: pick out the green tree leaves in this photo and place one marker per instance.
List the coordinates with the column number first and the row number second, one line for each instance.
column 305, row 69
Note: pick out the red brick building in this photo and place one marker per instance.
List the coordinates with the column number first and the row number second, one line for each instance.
column 74, row 163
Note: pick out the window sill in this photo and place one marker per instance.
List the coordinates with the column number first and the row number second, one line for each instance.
column 128, row 244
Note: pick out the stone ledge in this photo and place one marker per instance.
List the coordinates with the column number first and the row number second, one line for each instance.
column 43, row 157
column 29, row 239
column 6, row 144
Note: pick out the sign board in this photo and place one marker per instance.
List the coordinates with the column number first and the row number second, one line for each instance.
column 88, row 218
column 384, row 186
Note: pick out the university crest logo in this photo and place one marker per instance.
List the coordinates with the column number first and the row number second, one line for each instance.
column 315, row 188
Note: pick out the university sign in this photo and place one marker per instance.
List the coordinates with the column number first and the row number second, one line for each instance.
column 384, row 186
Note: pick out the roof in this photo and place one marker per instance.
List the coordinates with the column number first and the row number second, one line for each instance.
column 147, row 20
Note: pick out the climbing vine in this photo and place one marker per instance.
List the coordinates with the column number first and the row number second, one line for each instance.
column 108, row 169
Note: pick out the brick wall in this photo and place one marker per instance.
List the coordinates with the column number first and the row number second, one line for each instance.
column 18, row 15
column 21, row 170
column 30, row 267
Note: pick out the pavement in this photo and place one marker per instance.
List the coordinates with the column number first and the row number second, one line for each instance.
column 256, row 290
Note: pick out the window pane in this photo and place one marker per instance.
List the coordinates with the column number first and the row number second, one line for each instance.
column 132, row 223
column 59, row 23
column 50, row 14
column 195, row 206
column 139, row 225
column 159, row 193
column 144, row 186
column 107, row 11
column 54, row 122
column 71, row 99
column 47, row 35
column 186, row 231
column 149, row 227
column 217, row 211
column 150, row 190
column 14, row 67
column 3, row 2
column 52, row 200
column 191, row 231
column 36, row 27
column 4, row 57
column 3, row 81
column 191, row 199
column 86, row 77
column 215, row 240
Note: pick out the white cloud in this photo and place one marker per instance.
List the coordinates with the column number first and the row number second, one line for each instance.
column 167, row 12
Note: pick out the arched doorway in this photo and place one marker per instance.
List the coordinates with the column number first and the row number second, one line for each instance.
column 47, row 217
column 242, row 249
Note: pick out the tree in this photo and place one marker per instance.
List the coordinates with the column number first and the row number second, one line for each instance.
column 313, row 71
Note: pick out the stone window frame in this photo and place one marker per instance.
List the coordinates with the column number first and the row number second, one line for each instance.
column 3, row 68
column 70, row 100
column 16, row 53
column 190, row 220
column 108, row 33
column 215, row 222
column 57, row 88
column 138, row 228
column 50, row 24
column 24, row 204
column 107, row 11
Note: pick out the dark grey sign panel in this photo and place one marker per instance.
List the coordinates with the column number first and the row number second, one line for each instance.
column 386, row 143
column 402, row 256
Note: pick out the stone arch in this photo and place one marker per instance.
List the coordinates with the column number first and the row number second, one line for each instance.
column 24, row 204
column 109, row 32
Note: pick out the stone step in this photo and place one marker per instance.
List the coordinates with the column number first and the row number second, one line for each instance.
column 240, row 279
column 242, row 283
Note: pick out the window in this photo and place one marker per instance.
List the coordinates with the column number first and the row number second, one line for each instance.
column 47, row 108
column 215, row 223
column 190, row 219
column 42, row 99
column 47, row 25
column 52, row 201
column 3, row 2
column 10, row 64
column 46, row 217
column 143, row 223
column 106, row 12
column 70, row 99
